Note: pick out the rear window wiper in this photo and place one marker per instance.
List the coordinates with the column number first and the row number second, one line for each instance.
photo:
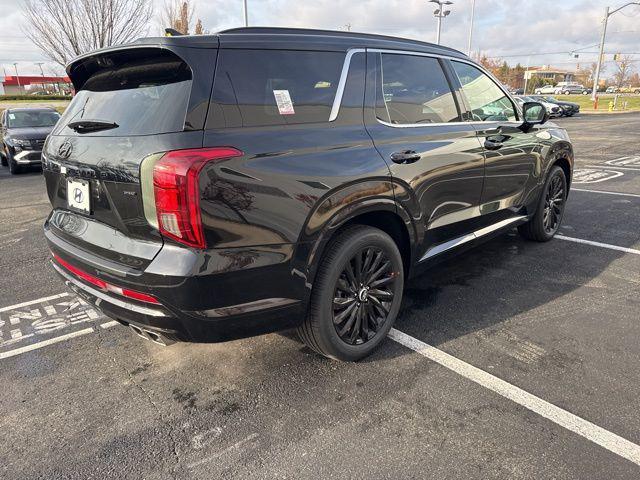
column 84, row 126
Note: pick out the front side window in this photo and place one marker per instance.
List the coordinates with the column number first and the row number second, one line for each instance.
column 486, row 100
column 414, row 90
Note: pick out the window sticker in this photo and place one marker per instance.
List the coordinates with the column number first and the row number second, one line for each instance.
column 283, row 99
column 12, row 116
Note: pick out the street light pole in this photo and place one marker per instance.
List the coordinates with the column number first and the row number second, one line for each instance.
column 605, row 20
column 440, row 13
column 15, row 65
column 41, row 74
column 473, row 11
column 246, row 13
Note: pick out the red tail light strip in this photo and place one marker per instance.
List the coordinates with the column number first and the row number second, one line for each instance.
column 104, row 286
column 177, row 191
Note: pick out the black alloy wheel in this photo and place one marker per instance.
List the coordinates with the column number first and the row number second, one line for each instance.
column 553, row 205
column 356, row 294
column 547, row 218
column 363, row 296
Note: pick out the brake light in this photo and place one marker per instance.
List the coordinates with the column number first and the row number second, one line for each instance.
column 104, row 286
column 177, row 191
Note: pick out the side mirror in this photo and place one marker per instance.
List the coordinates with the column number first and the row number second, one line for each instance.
column 534, row 113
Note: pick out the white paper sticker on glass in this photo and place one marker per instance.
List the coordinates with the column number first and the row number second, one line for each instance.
column 283, row 99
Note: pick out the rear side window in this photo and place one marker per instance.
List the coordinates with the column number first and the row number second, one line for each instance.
column 414, row 90
column 486, row 100
column 274, row 87
column 143, row 91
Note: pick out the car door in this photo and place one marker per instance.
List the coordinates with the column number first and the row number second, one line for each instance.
column 512, row 159
column 435, row 158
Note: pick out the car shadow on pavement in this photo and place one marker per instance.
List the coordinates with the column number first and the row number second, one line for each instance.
column 505, row 278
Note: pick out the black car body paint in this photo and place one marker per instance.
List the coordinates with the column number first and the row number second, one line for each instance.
column 268, row 214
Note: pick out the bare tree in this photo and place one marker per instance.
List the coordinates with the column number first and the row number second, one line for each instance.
column 199, row 30
column 624, row 69
column 591, row 71
column 64, row 29
column 178, row 15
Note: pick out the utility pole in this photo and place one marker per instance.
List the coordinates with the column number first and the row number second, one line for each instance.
column 41, row 73
column 473, row 11
column 440, row 13
column 605, row 20
column 15, row 65
column 526, row 79
column 246, row 13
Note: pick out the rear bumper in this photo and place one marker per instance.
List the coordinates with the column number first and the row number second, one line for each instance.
column 181, row 314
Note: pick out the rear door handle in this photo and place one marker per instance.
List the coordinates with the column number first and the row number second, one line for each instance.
column 405, row 156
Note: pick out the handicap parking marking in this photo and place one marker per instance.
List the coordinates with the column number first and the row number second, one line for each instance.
column 594, row 175
column 632, row 160
column 30, row 321
column 592, row 432
column 44, row 343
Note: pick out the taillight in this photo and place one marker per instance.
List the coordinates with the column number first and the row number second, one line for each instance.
column 177, row 191
column 105, row 286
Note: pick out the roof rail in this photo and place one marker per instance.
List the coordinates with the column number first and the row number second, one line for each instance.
column 335, row 33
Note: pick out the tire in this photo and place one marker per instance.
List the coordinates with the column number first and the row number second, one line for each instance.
column 14, row 168
column 334, row 325
column 3, row 159
column 548, row 216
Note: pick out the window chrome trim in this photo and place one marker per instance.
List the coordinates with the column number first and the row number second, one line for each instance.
column 448, row 245
column 337, row 100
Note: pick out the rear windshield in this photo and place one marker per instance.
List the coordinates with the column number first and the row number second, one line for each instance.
column 142, row 93
column 33, row 118
column 274, row 87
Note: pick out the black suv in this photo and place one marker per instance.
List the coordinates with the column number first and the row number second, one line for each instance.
column 214, row 187
column 22, row 133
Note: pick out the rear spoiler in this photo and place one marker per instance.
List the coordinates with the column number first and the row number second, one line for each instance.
column 83, row 66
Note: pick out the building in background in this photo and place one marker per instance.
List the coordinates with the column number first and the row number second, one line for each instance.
column 26, row 85
column 551, row 75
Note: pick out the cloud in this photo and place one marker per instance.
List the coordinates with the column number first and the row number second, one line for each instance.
column 510, row 29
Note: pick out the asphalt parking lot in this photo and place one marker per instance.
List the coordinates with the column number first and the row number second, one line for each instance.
column 516, row 360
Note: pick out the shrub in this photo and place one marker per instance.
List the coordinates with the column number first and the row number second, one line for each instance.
column 34, row 98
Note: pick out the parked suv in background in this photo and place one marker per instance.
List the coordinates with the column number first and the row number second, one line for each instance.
column 567, row 88
column 23, row 132
column 214, row 187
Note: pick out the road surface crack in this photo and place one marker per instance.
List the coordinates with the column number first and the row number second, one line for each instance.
column 160, row 415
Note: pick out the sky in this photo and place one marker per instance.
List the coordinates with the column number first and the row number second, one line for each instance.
column 535, row 32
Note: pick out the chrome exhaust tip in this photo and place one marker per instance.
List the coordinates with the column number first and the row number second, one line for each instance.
column 152, row 336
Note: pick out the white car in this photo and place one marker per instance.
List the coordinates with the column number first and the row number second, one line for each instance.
column 553, row 109
column 546, row 90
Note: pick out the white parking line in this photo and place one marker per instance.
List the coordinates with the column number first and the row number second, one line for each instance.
column 31, row 302
column 606, row 193
column 44, row 343
column 608, row 167
column 598, row 244
column 110, row 324
column 598, row 435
